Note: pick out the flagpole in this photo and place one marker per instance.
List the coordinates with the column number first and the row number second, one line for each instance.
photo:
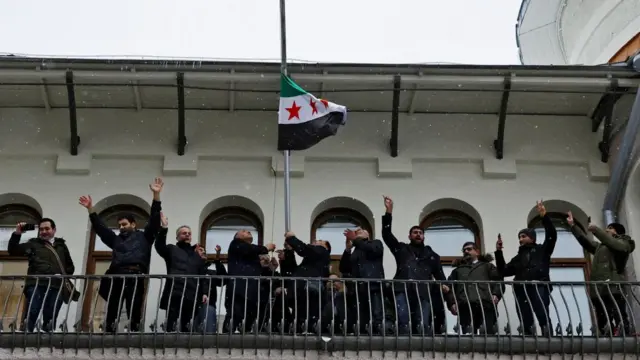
column 286, row 153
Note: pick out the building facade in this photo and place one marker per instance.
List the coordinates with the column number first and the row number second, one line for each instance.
column 439, row 165
column 588, row 32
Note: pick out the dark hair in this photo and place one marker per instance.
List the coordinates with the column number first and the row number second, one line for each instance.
column 619, row 228
column 128, row 216
column 43, row 220
column 328, row 245
column 414, row 227
column 469, row 243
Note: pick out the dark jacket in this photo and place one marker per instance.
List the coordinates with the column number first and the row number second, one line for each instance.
column 244, row 260
column 610, row 257
column 316, row 261
column 533, row 261
column 129, row 250
column 481, row 271
column 413, row 262
column 288, row 267
column 365, row 262
column 213, row 281
column 182, row 260
column 41, row 260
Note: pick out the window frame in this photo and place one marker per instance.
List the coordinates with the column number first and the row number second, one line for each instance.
column 95, row 256
column 460, row 216
column 355, row 216
column 229, row 211
column 26, row 210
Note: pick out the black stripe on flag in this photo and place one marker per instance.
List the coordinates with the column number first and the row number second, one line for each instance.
column 302, row 136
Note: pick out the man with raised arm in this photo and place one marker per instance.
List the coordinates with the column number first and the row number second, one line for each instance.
column 414, row 261
column 610, row 257
column 531, row 264
column 130, row 255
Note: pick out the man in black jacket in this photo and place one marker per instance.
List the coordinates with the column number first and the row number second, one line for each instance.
column 241, row 297
column 531, row 264
column 306, row 295
column 207, row 317
column 414, row 261
column 42, row 294
column 183, row 295
column 364, row 262
column 130, row 255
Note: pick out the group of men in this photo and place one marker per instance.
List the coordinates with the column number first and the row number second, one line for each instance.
column 298, row 297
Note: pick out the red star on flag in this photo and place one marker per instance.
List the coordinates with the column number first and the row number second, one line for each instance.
column 325, row 103
column 312, row 103
column 294, row 111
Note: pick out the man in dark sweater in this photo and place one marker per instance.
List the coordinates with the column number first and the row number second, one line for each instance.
column 414, row 261
column 130, row 255
column 43, row 253
column 306, row 295
column 531, row 264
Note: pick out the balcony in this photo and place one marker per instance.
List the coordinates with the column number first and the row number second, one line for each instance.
column 81, row 327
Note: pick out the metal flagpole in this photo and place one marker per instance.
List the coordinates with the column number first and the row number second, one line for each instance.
column 286, row 153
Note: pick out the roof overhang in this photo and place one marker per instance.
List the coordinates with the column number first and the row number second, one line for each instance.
column 251, row 86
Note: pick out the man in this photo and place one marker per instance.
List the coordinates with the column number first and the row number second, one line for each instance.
column 475, row 303
column 182, row 296
column 130, row 255
column 306, row 294
column 414, row 261
column 241, row 297
column 531, row 264
column 610, row 257
column 364, row 262
column 269, row 282
column 334, row 308
column 46, row 254
column 207, row 317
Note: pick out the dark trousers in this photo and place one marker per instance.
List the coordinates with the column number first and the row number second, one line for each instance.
column 281, row 315
column 306, row 308
column 473, row 316
column 611, row 312
column 181, row 314
column 39, row 299
column 129, row 291
column 532, row 302
column 415, row 310
column 368, row 311
column 241, row 313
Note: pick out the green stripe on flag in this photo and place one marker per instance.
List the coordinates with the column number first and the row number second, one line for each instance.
column 288, row 88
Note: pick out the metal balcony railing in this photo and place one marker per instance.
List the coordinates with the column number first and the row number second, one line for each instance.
column 284, row 313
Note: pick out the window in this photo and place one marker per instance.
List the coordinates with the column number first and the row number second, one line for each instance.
column 98, row 262
column 11, row 290
column 220, row 227
column 447, row 230
column 330, row 226
column 569, row 263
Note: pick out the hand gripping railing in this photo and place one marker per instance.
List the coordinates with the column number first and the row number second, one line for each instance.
column 223, row 313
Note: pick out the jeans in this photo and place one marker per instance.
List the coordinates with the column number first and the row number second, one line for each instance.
column 38, row 298
column 207, row 319
column 416, row 309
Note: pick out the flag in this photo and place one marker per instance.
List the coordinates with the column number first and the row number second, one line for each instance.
column 303, row 119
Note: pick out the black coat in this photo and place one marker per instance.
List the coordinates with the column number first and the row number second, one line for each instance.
column 365, row 262
column 182, row 260
column 414, row 262
column 42, row 261
column 482, row 271
column 316, row 261
column 129, row 249
column 213, row 281
column 244, row 260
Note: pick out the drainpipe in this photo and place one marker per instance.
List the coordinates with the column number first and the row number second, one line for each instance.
column 623, row 163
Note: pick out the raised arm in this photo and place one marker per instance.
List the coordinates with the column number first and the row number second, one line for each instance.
column 550, row 232
column 15, row 248
column 161, row 242
column 586, row 243
column 107, row 236
column 244, row 249
column 301, row 248
column 609, row 241
column 153, row 225
column 387, row 234
column 504, row 269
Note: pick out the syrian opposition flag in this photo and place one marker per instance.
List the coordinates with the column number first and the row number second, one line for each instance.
column 303, row 119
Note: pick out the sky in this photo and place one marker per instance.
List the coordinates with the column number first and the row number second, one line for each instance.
column 347, row 31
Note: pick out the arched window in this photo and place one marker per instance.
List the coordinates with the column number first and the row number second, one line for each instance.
column 446, row 231
column 11, row 291
column 221, row 225
column 99, row 259
column 570, row 263
column 330, row 226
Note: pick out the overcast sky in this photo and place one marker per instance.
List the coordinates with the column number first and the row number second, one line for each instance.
column 376, row 31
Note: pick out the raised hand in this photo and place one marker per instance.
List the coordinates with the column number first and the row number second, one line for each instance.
column 388, row 204
column 271, row 246
column 86, row 201
column 164, row 221
column 157, row 185
column 499, row 244
column 540, row 207
column 570, row 220
column 19, row 227
column 218, row 249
